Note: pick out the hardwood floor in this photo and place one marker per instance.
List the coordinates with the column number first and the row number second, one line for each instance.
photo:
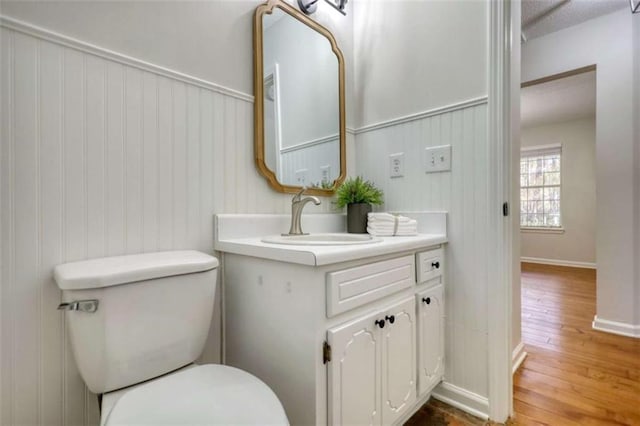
column 573, row 374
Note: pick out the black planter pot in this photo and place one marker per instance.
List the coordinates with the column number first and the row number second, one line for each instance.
column 357, row 218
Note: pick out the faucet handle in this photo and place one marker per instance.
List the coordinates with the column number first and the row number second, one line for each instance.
column 299, row 193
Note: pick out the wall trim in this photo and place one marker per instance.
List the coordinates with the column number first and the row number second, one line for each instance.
column 424, row 114
column 54, row 37
column 518, row 356
column 615, row 327
column 500, row 228
column 558, row 262
column 463, row 399
column 313, row 142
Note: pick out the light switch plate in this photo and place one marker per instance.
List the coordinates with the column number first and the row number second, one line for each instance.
column 396, row 165
column 302, row 176
column 325, row 173
column 437, row 159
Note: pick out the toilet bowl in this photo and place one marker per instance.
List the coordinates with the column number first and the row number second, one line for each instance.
column 137, row 323
column 198, row 395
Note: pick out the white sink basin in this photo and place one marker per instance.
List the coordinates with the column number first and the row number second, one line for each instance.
column 322, row 239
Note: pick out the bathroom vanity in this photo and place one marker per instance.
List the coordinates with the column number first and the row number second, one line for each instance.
column 344, row 334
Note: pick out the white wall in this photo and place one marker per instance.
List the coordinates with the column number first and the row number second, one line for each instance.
column 578, row 242
column 211, row 40
column 607, row 42
column 412, row 57
column 104, row 155
column 194, row 37
column 461, row 192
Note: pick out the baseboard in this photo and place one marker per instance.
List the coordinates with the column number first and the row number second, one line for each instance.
column 420, row 402
column 517, row 357
column 463, row 399
column 616, row 327
column 556, row 262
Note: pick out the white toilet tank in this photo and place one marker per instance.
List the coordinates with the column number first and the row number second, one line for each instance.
column 153, row 314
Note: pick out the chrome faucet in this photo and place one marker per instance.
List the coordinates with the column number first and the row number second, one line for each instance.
column 297, row 204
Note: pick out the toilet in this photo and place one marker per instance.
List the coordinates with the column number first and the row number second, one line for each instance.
column 137, row 323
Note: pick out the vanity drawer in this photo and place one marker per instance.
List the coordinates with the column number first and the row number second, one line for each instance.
column 430, row 264
column 353, row 287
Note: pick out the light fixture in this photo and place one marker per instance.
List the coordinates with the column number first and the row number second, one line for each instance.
column 340, row 4
column 635, row 6
column 310, row 6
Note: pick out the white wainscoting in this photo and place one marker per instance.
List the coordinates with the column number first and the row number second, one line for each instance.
column 102, row 155
column 463, row 193
column 325, row 152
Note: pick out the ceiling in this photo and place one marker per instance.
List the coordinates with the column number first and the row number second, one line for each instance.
column 569, row 98
column 540, row 17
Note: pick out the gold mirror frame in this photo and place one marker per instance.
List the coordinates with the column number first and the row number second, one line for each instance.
column 258, row 85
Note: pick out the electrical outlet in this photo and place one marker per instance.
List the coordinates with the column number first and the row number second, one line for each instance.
column 437, row 159
column 302, row 177
column 396, row 165
column 325, row 173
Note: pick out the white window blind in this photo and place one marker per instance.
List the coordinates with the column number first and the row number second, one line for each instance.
column 540, row 187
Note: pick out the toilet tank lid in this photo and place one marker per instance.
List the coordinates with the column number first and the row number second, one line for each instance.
column 109, row 271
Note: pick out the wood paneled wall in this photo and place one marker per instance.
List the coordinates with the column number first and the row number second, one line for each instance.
column 463, row 193
column 102, row 155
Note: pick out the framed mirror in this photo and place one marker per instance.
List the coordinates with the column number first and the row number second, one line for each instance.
column 299, row 102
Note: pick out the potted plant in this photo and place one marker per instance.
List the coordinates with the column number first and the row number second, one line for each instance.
column 358, row 195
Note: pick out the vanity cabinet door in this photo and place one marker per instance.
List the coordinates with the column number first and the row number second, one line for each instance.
column 430, row 338
column 398, row 360
column 354, row 373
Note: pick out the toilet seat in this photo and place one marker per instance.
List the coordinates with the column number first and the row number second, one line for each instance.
column 208, row 394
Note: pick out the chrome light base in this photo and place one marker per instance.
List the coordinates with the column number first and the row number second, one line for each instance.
column 308, row 6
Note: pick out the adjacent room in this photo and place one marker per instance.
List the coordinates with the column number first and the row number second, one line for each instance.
column 572, row 366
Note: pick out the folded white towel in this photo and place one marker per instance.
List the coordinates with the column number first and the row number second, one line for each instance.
column 385, row 224
column 390, row 233
column 399, row 229
column 387, row 217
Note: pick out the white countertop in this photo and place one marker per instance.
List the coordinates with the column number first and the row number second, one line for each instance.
column 326, row 255
column 242, row 234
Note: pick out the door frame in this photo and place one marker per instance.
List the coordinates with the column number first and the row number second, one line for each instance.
column 504, row 31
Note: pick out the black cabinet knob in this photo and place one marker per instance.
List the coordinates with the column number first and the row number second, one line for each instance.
column 390, row 318
column 426, row 300
column 435, row 265
column 380, row 323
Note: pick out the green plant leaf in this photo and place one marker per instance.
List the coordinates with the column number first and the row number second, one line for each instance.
column 357, row 190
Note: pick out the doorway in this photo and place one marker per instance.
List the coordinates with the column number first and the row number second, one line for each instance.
column 572, row 374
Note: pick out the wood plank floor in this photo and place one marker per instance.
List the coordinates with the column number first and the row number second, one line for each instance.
column 573, row 374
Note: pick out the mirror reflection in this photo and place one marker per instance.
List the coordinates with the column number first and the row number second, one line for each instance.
column 301, row 103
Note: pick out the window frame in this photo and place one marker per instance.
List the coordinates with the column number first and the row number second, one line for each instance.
column 536, row 150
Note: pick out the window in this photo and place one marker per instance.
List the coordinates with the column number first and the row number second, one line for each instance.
column 540, row 187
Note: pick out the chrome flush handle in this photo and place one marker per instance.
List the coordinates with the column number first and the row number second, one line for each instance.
column 89, row 306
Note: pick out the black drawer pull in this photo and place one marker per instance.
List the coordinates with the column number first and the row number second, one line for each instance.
column 426, row 300
column 380, row 323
